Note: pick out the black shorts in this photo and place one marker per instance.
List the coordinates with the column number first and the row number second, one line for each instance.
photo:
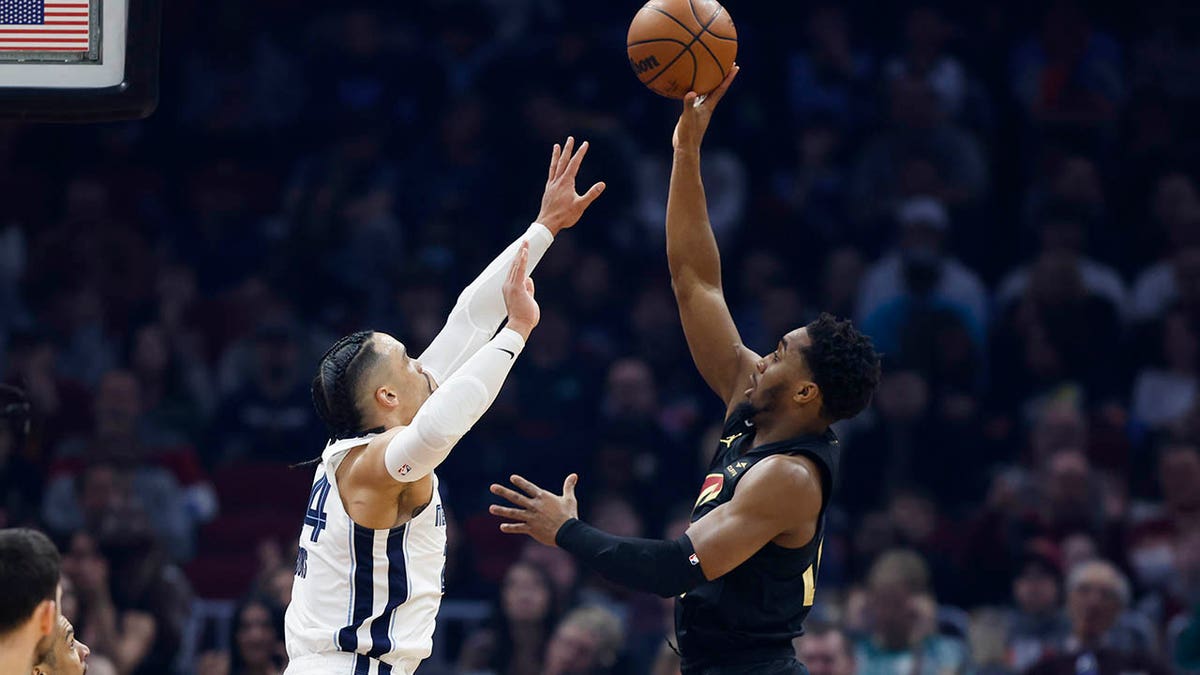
column 774, row 667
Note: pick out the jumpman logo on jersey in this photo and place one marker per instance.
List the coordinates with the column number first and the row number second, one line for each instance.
column 729, row 441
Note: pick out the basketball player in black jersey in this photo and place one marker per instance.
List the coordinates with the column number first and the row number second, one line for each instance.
column 745, row 571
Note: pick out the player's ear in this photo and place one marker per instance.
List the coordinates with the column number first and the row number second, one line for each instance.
column 387, row 397
column 46, row 616
column 807, row 393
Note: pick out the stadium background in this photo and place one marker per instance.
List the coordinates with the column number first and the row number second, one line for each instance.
column 1002, row 193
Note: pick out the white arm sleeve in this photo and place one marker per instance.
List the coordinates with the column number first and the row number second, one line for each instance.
column 480, row 309
column 452, row 410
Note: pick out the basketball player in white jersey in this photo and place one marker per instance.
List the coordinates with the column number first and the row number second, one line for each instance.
column 373, row 547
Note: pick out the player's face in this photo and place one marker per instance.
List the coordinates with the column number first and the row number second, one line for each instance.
column 68, row 656
column 402, row 373
column 780, row 375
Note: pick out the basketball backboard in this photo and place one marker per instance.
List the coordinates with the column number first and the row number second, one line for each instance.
column 79, row 60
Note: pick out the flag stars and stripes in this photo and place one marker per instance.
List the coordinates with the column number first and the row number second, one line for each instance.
column 45, row 25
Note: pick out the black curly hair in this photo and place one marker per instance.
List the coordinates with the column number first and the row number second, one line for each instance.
column 339, row 378
column 844, row 365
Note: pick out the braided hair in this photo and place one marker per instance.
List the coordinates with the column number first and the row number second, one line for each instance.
column 338, row 381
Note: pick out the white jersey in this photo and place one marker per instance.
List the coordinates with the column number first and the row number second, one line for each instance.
column 363, row 601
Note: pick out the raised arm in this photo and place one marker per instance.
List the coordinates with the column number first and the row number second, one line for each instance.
column 407, row 454
column 695, row 262
column 479, row 311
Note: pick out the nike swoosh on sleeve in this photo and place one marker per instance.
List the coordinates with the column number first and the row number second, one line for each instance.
column 511, row 355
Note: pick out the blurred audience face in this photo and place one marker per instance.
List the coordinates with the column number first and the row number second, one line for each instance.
column 586, row 641
column 85, row 566
column 1060, row 424
column 914, row 104
column 893, row 611
column 826, row 653
column 525, row 595
column 1068, row 475
column 843, row 272
column 631, row 390
column 118, row 407
column 67, row 656
column 1078, row 549
column 1096, row 594
column 1176, row 206
column 1179, row 477
column 559, row 564
column 617, row 516
column 257, row 638
column 903, row 397
column 1036, row 590
column 914, row 515
column 151, row 354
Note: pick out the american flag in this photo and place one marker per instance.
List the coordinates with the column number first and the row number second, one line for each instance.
column 45, row 25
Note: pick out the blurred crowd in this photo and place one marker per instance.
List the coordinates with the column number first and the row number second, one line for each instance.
column 1003, row 194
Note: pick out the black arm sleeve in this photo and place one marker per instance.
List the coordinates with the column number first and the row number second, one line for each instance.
column 665, row 568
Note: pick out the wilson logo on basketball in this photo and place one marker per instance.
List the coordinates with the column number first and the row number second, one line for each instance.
column 711, row 488
column 648, row 63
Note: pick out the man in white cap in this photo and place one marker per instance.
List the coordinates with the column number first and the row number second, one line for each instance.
column 919, row 266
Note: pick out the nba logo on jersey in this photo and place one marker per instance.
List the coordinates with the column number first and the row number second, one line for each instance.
column 694, row 559
column 404, row 470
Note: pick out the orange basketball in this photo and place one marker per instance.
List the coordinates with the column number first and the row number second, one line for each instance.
column 677, row 46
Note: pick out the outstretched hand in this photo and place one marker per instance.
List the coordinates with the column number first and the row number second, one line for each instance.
column 697, row 113
column 541, row 512
column 561, row 206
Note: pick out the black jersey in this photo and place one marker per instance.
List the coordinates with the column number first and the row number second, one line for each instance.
column 754, row 611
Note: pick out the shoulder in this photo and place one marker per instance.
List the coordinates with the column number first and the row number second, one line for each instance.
column 363, row 465
column 782, row 479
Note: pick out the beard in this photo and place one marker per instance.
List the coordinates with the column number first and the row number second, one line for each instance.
column 746, row 410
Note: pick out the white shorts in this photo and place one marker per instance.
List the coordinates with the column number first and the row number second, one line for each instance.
column 338, row 663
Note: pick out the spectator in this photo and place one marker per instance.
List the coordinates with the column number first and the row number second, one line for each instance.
column 831, row 79
column 1072, row 74
column 523, row 621
column 123, row 635
column 919, row 274
column 926, row 33
column 1063, row 230
column 921, row 153
column 1096, row 595
column 1185, row 630
column 19, row 487
column 270, row 418
column 1037, row 625
column 256, row 646
column 903, row 637
column 586, row 642
column 1175, row 211
column 1164, row 391
column 826, row 650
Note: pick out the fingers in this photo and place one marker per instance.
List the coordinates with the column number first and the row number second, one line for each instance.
column 554, row 161
column 573, row 167
column 514, row 528
column 529, row 488
column 569, row 485
column 565, row 156
column 689, row 100
column 529, row 288
column 507, row 512
column 715, row 97
column 593, row 194
column 517, row 270
column 514, row 497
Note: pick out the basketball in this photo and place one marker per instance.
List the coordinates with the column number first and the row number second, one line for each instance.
column 677, row 46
